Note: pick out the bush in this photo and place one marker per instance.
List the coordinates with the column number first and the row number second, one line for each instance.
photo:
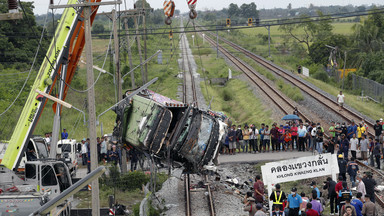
column 133, row 180
column 227, row 96
column 321, row 75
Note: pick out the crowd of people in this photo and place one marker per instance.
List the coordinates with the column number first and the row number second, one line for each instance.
column 352, row 195
column 342, row 200
column 305, row 136
column 107, row 153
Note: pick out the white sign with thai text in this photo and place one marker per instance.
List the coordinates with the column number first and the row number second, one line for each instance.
column 300, row 168
column 305, row 71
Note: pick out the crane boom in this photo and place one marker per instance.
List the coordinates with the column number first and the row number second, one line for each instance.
column 65, row 48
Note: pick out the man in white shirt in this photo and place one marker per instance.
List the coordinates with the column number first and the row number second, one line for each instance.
column 103, row 149
column 360, row 185
column 84, row 151
column 340, row 100
column 353, row 145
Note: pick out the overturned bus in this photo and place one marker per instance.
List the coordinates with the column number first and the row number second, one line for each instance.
column 167, row 128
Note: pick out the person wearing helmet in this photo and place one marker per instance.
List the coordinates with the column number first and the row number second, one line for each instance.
column 342, row 166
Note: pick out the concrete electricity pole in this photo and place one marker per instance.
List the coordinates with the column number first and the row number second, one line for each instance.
column 91, row 110
column 129, row 52
column 145, row 78
column 139, row 48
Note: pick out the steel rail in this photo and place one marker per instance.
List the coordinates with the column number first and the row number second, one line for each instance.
column 316, row 94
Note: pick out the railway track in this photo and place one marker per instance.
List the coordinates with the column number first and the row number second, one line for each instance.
column 378, row 198
column 190, row 97
column 189, row 87
column 207, row 195
column 346, row 114
column 284, row 104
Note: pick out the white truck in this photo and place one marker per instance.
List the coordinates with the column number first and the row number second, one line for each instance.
column 67, row 152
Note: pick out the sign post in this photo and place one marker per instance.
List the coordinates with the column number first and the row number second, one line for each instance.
column 299, row 168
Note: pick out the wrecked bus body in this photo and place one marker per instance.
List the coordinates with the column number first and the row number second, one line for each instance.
column 166, row 128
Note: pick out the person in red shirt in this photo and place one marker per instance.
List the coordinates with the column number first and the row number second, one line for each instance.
column 287, row 140
column 310, row 211
column 294, row 130
column 258, row 187
column 338, row 187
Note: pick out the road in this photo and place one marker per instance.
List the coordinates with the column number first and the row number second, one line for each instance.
column 268, row 156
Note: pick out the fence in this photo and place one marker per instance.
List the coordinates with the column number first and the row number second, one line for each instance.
column 368, row 87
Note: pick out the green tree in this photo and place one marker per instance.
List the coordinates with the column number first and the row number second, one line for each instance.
column 19, row 38
column 308, row 31
column 369, row 35
column 319, row 53
column 249, row 10
column 98, row 28
column 233, row 10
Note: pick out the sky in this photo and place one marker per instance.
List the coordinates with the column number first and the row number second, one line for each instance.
column 41, row 6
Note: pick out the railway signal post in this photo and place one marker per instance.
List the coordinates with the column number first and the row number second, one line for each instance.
column 250, row 20
column 228, row 22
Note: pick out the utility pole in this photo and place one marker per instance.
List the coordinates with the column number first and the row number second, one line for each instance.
column 269, row 41
column 139, row 48
column 117, row 56
column 129, row 52
column 119, row 84
column 145, row 78
column 91, row 110
column 217, row 42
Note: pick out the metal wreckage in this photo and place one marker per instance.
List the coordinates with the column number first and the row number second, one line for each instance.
column 168, row 129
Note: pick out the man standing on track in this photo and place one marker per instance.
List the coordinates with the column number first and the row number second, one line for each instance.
column 344, row 146
column 370, row 184
column 352, row 169
column 340, row 100
column 378, row 128
column 364, row 148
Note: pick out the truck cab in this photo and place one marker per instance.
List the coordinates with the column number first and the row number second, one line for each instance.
column 42, row 181
column 36, row 149
column 67, row 152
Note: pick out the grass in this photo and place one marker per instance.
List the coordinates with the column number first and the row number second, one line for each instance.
column 128, row 199
column 370, row 109
column 238, row 102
